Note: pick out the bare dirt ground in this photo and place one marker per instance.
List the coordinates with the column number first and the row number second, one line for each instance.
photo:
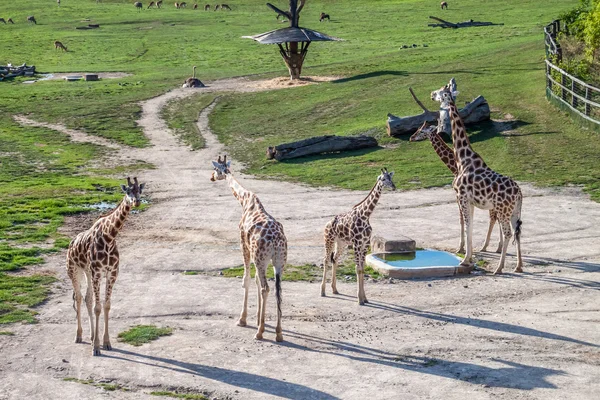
column 534, row 335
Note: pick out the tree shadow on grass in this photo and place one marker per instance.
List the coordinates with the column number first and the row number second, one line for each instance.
column 368, row 75
column 515, row 375
column 258, row 383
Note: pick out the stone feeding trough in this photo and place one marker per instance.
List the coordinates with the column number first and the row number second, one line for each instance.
column 399, row 258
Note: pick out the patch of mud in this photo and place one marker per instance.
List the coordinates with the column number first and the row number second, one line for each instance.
column 101, row 75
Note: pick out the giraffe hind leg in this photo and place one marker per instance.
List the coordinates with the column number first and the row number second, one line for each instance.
column 263, row 290
column 76, row 275
column 328, row 259
column 279, row 262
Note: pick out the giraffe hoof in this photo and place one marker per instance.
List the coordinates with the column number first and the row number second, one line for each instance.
column 518, row 269
column 279, row 337
column 323, row 294
column 97, row 352
column 241, row 323
column 498, row 272
column 258, row 336
column 361, row 302
column 335, row 292
column 78, row 339
column 499, row 250
column 107, row 346
column 366, row 301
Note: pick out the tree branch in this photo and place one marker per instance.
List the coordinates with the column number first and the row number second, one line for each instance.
column 278, row 11
column 417, row 100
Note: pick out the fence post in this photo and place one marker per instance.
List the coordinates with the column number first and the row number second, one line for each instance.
column 563, row 83
column 548, row 76
column 587, row 97
column 574, row 99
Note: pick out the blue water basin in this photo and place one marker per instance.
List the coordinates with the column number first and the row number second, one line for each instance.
column 419, row 259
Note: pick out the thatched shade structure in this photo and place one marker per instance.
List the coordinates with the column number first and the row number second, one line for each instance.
column 288, row 38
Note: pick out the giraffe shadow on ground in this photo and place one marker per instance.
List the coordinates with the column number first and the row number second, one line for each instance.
column 478, row 323
column 547, row 261
column 246, row 380
column 514, row 375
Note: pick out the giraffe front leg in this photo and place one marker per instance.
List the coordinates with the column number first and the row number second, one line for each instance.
column 467, row 211
column 336, row 260
column 329, row 254
column 97, row 310
column 359, row 259
column 245, row 283
column 89, row 302
column 75, row 276
column 110, row 281
column 490, row 229
column 461, row 245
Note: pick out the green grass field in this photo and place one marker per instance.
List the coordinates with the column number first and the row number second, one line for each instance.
column 44, row 177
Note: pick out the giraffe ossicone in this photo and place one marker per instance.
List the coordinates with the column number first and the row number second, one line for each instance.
column 353, row 228
column 262, row 240
column 92, row 255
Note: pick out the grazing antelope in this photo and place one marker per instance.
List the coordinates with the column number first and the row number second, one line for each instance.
column 225, row 7
column 3, row 21
column 216, row 7
column 182, row 5
column 195, row 6
column 323, row 17
column 10, row 21
column 138, row 5
column 443, row 5
column 159, row 3
column 58, row 2
column 152, row 4
column 207, row 7
column 59, row 45
column 31, row 18
column 176, row 5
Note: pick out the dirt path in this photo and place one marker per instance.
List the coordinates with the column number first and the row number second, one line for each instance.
column 527, row 336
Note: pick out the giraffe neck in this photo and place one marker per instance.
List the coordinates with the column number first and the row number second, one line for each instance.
column 463, row 152
column 445, row 152
column 247, row 199
column 113, row 222
column 366, row 207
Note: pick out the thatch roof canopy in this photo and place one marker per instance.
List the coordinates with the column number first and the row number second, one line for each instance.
column 291, row 34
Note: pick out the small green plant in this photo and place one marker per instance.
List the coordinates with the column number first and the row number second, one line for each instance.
column 106, row 386
column 7, row 333
column 181, row 116
column 141, row 334
column 187, row 396
column 19, row 293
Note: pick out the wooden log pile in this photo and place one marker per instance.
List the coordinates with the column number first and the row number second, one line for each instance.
column 446, row 24
column 10, row 71
column 474, row 112
column 318, row 145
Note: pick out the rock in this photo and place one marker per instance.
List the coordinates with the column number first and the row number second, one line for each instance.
column 429, row 285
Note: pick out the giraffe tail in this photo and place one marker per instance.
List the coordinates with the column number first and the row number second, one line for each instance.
column 518, row 224
column 278, row 290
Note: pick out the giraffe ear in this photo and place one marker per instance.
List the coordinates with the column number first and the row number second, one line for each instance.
column 142, row 187
column 216, row 164
column 391, row 174
column 228, row 164
column 124, row 188
column 455, row 93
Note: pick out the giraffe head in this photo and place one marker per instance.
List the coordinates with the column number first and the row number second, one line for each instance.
column 424, row 132
column 445, row 95
column 386, row 179
column 220, row 169
column 133, row 191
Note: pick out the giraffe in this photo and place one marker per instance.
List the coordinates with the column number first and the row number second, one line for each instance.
column 94, row 253
column 477, row 185
column 446, row 154
column 353, row 228
column 262, row 240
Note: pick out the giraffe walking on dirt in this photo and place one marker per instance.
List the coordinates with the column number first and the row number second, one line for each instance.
column 94, row 253
column 262, row 240
column 446, row 154
column 353, row 228
column 477, row 185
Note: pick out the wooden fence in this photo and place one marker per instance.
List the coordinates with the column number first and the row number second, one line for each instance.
column 566, row 91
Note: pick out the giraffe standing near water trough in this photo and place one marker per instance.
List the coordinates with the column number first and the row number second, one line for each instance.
column 262, row 240
column 94, row 253
column 353, row 228
column 477, row 185
column 446, row 154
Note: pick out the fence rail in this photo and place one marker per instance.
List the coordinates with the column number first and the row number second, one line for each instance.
column 565, row 90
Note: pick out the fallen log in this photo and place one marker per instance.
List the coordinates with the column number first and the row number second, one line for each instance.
column 318, row 145
column 466, row 24
column 474, row 112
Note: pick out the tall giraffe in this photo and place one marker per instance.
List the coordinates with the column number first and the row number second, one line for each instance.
column 477, row 185
column 262, row 240
column 446, row 154
column 353, row 228
column 93, row 253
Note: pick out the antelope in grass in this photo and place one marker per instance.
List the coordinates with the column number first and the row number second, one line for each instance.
column 138, row 5
column 159, row 3
column 3, row 21
column 195, row 6
column 225, row 7
column 324, row 17
column 216, row 7
column 59, row 45
column 152, row 4
column 182, row 5
column 31, row 18
column 177, row 5
column 207, row 7
column 10, row 21
column 443, row 5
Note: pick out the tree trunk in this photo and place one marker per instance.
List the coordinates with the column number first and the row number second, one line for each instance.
column 294, row 57
column 476, row 111
column 319, row 144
